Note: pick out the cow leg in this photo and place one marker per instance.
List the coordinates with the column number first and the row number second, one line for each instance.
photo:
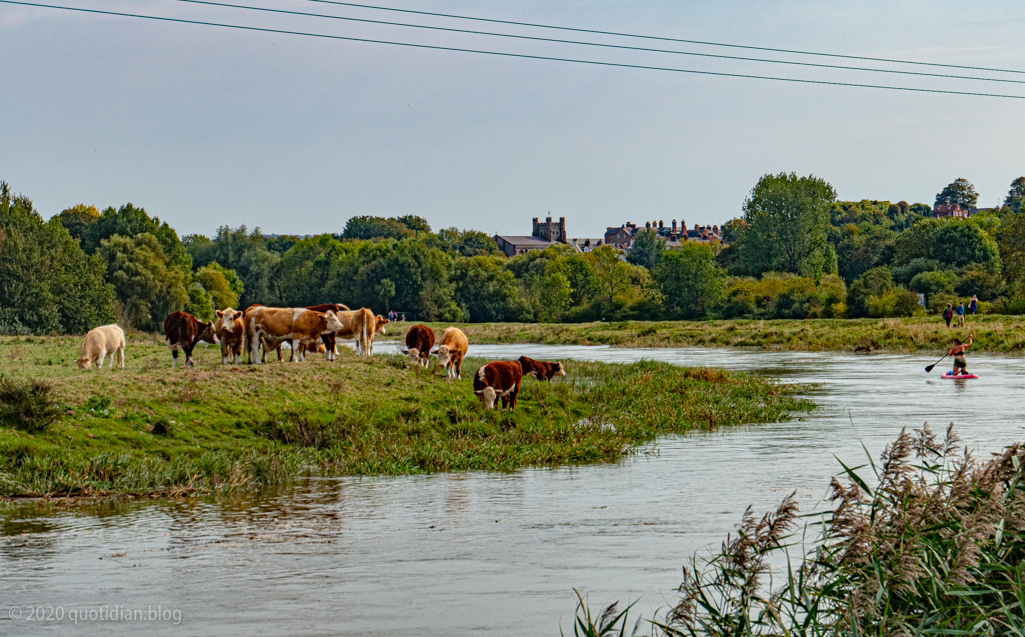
column 459, row 368
column 297, row 354
column 121, row 357
column 174, row 359
column 254, row 350
column 512, row 395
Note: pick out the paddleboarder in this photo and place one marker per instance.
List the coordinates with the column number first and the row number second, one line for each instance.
column 958, row 352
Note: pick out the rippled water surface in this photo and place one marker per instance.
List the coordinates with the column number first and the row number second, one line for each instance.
column 494, row 554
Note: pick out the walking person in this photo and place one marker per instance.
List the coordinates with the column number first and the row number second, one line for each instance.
column 948, row 314
column 973, row 305
column 959, row 312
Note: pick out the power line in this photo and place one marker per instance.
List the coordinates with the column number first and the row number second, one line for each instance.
column 508, row 55
column 598, row 44
column 663, row 39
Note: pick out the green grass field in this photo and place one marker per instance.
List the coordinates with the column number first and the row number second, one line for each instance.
column 150, row 429
column 992, row 334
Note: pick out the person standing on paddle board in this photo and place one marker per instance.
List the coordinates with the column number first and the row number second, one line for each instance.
column 958, row 351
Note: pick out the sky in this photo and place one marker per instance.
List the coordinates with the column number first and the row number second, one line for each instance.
column 206, row 127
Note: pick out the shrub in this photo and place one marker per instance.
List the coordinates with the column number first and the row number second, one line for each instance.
column 27, row 405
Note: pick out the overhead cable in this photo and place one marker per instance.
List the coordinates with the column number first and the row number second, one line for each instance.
column 597, row 44
column 505, row 54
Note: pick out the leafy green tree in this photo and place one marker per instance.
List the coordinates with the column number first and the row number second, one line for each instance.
column 787, row 217
column 129, row 221
column 962, row 243
column 468, row 243
column 246, row 253
column 647, row 249
column 199, row 303
column 222, row 285
column 486, row 291
column 76, row 220
column 1011, row 237
column 417, row 224
column 367, row 228
column 611, row 273
column 873, row 283
column 302, row 273
column 47, row 283
column 200, row 248
column 935, row 282
column 960, row 192
column 280, row 244
column 146, row 285
column 1016, row 195
column 419, row 273
column 691, row 282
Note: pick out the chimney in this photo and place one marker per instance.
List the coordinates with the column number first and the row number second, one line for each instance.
column 660, row 224
column 674, row 226
column 562, row 228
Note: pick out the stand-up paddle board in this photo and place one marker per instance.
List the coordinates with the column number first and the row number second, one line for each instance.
column 950, row 376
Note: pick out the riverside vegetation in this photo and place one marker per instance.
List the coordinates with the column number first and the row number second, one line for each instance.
column 931, row 542
column 149, row 429
column 994, row 333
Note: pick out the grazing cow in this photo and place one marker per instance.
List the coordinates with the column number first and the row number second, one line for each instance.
column 230, row 331
column 183, row 330
column 276, row 325
column 541, row 370
column 501, row 379
column 452, row 347
column 419, row 341
column 101, row 342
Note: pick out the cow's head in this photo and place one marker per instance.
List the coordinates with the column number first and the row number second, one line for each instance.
column 488, row 397
column 207, row 333
column 444, row 355
column 84, row 362
column 380, row 322
column 226, row 319
column 413, row 354
column 559, row 369
column 333, row 324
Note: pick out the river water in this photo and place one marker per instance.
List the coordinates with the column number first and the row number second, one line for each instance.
column 464, row 553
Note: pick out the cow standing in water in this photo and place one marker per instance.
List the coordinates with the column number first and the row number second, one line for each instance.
column 419, row 341
column 501, row 379
column 182, row 330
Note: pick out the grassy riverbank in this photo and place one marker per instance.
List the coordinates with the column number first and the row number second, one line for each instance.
column 150, row 429
column 992, row 334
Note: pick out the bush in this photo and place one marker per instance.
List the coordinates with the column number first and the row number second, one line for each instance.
column 27, row 405
column 894, row 302
column 785, row 296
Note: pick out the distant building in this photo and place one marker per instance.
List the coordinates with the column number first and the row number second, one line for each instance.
column 674, row 235
column 947, row 209
column 974, row 211
column 543, row 235
column 512, row 245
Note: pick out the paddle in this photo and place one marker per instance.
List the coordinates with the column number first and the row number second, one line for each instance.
column 929, row 368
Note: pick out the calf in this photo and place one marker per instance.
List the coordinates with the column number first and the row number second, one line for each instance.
column 101, row 342
column 501, row 379
column 541, row 370
column 183, row 330
column 419, row 341
column 274, row 325
column 230, row 331
column 452, row 348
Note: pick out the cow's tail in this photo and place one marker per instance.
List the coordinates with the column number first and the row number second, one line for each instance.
column 364, row 336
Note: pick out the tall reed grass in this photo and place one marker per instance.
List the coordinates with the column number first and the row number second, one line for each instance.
column 932, row 543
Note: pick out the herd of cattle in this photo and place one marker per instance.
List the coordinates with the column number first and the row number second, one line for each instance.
column 317, row 329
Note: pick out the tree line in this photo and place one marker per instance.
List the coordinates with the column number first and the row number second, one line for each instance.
column 796, row 252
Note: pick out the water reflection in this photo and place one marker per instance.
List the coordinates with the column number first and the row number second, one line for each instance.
column 462, row 552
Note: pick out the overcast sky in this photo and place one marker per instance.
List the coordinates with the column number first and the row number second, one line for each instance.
column 206, row 126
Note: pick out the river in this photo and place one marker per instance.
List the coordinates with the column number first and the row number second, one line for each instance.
column 464, row 553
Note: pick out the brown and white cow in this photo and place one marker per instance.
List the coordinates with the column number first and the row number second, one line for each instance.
column 101, row 342
column 369, row 325
column 419, row 341
column 276, row 325
column 452, row 348
column 230, row 331
column 182, row 330
column 501, row 379
column 541, row 370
